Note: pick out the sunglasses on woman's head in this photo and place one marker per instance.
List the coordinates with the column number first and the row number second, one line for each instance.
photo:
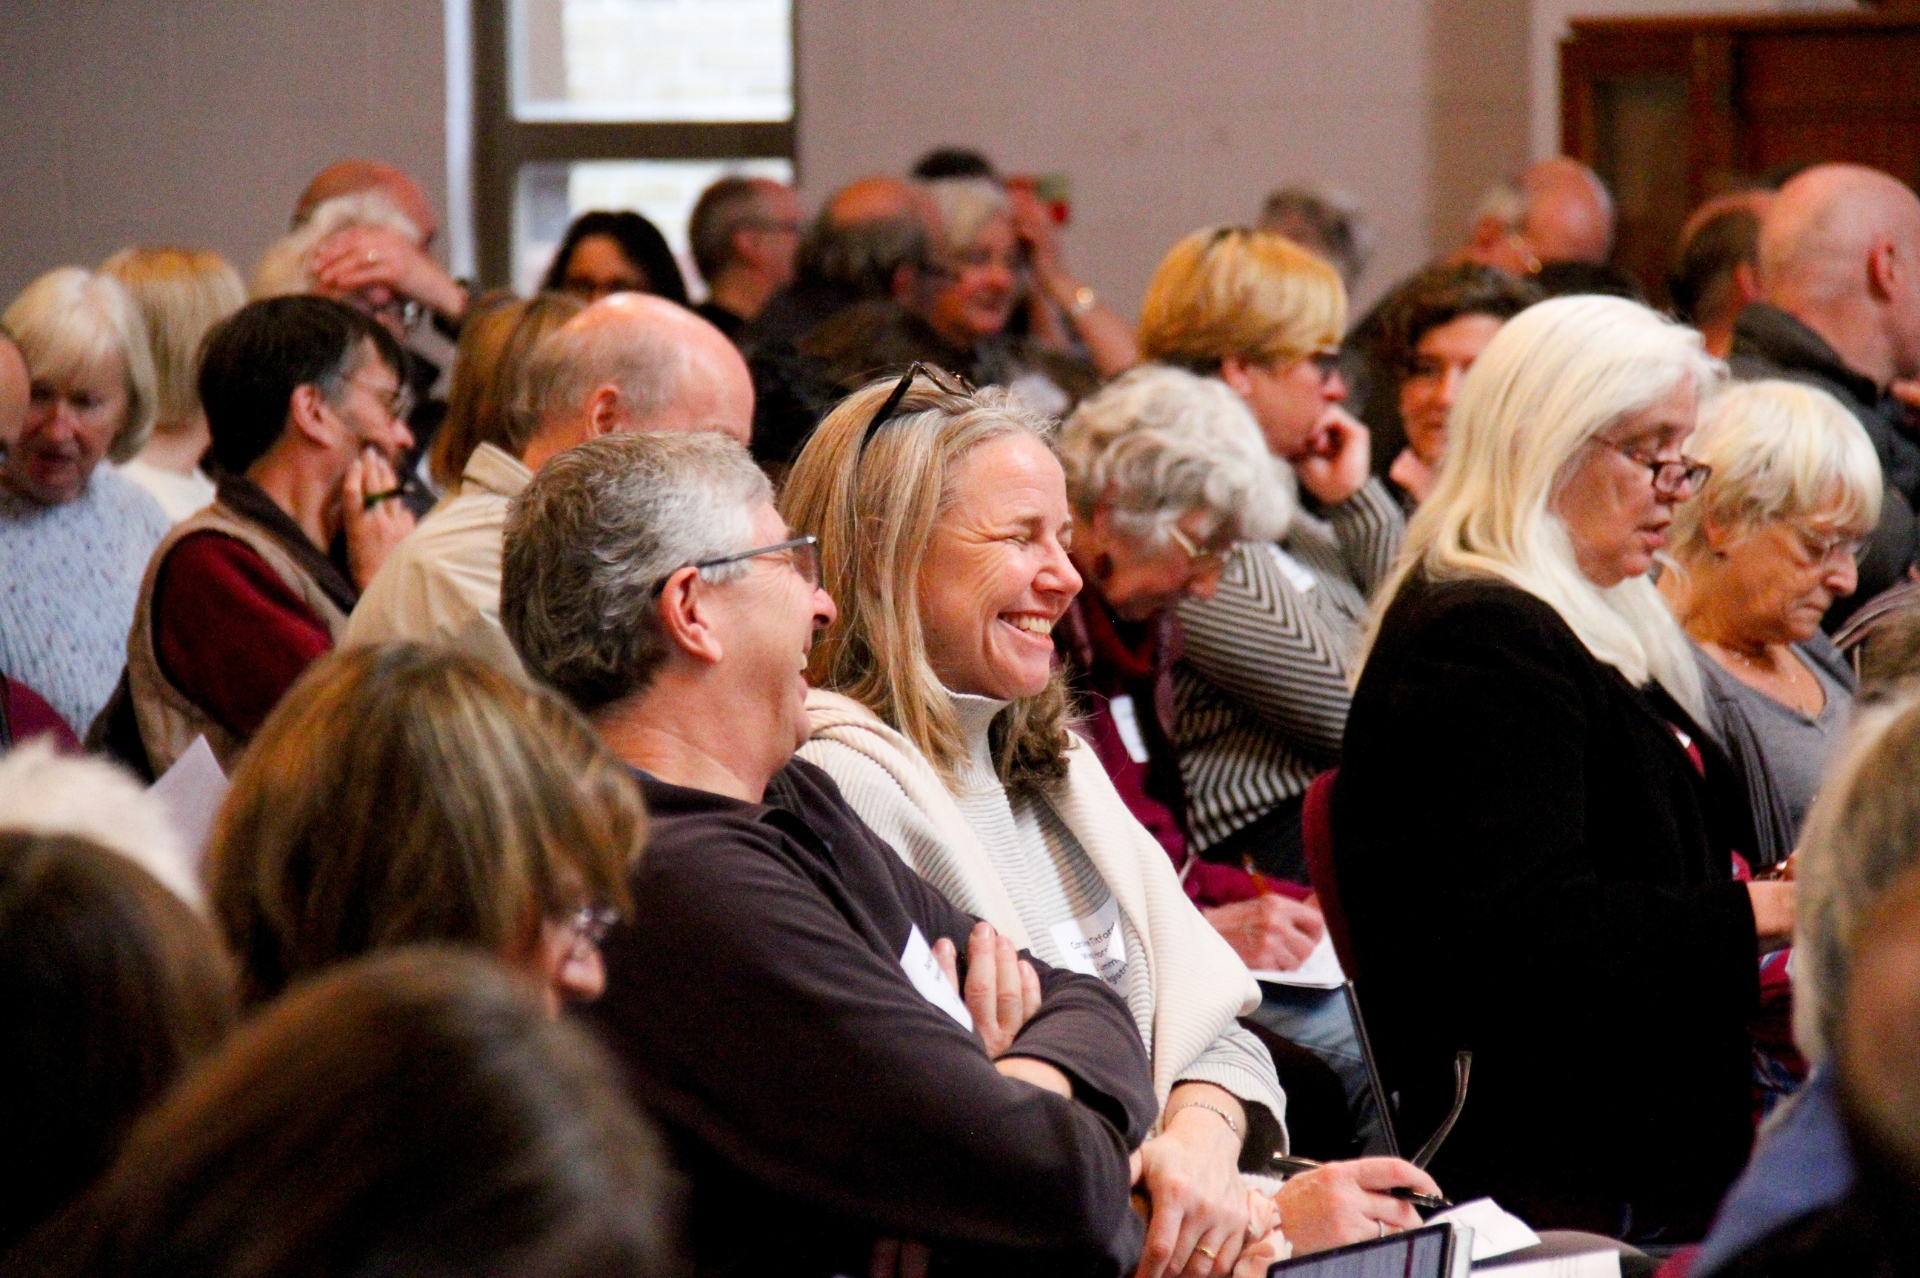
column 942, row 380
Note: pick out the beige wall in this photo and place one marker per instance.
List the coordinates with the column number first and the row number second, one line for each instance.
column 198, row 121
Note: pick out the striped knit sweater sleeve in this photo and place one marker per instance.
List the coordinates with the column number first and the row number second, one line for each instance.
column 1265, row 680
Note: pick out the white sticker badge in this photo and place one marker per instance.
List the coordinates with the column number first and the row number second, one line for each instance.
column 1093, row 944
column 1127, row 720
column 924, row 971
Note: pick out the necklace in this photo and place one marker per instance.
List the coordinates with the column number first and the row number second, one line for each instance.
column 1788, row 688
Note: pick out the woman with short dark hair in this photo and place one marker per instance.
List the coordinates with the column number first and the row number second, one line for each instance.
column 417, row 1112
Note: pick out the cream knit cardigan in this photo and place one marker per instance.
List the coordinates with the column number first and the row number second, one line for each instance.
column 1199, row 984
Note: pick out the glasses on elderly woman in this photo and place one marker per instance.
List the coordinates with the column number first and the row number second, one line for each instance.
column 1672, row 479
column 942, row 380
column 1199, row 557
column 803, row 555
column 1829, row 548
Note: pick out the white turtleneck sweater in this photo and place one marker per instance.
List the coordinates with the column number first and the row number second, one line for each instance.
column 1054, row 885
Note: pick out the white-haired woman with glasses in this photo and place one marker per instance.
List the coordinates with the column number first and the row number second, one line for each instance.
column 74, row 535
column 1760, row 553
column 1533, row 834
column 944, row 527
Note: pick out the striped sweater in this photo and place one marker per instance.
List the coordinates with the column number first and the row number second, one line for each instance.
column 1261, row 692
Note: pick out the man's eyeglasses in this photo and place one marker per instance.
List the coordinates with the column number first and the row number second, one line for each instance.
column 942, row 380
column 803, row 554
column 398, row 402
column 1675, row 479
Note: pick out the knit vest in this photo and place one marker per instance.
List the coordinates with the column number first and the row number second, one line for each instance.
column 169, row 721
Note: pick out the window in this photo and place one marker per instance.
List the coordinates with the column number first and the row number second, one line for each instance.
column 618, row 104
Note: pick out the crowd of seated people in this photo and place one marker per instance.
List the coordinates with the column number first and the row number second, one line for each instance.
column 865, row 756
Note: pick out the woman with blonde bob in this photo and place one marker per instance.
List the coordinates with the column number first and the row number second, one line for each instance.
column 1760, row 553
column 1533, row 834
column 402, row 794
column 74, row 535
column 182, row 294
column 943, row 522
column 1272, row 652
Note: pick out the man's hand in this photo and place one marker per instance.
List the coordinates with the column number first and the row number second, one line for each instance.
column 1200, row 1205
column 1002, row 990
column 372, row 533
column 1335, row 462
column 1773, row 904
column 1270, row 933
column 358, row 257
column 1346, row 1202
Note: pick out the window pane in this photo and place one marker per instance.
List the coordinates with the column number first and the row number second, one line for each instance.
column 552, row 195
column 640, row 60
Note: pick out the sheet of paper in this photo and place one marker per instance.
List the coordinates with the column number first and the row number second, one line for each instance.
column 1587, row 1264
column 1128, row 724
column 1496, row 1231
column 1095, row 945
column 191, row 791
column 924, row 971
column 1321, row 971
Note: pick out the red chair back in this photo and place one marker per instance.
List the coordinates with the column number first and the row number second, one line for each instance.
column 1316, row 831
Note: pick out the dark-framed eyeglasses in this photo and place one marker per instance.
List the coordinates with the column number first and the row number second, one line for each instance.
column 803, row 555
column 1675, row 479
column 1325, row 362
column 943, row 381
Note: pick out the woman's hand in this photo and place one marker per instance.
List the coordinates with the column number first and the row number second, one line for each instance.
column 1269, row 933
column 1773, row 912
column 1335, row 463
column 357, row 257
column 372, row 533
column 1200, row 1205
column 1347, row 1202
column 1002, row 990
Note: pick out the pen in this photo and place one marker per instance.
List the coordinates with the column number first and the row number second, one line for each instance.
column 1287, row 1165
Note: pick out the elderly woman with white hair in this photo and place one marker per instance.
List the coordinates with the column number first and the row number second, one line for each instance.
column 1760, row 553
column 75, row 535
column 1533, row 834
column 944, row 523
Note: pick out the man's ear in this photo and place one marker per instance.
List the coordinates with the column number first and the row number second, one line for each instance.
column 308, row 413
column 687, row 615
column 605, row 412
column 1885, row 266
column 1746, row 284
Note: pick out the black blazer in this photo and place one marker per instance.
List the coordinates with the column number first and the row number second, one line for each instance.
column 1534, row 870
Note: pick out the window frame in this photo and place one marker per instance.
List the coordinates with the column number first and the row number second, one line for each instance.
column 502, row 144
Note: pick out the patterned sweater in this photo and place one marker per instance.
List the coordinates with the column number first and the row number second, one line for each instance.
column 69, row 576
column 1262, row 688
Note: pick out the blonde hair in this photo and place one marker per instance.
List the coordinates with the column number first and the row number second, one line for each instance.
column 70, row 320
column 498, row 334
column 1233, row 291
column 1556, row 376
column 400, row 793
column 875, row 515
column 1161, row 442
column 181, row 293
column 1779, row 450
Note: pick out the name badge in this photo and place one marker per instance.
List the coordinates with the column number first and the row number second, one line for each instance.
column 1292, row 569
column 1093, row 944
column 1127, row 720
column 924, row 971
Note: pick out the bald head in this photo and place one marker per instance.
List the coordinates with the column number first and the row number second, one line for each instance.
column 1569, row 215
column 1840, row 251
column 870, row 199
column 350, row 177
column 633, row 362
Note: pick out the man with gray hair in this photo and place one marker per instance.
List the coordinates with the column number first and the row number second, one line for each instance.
column 1839, row 309
column 630, row 362
column 1558, row 211
column 743, row 234
column 840, row 1056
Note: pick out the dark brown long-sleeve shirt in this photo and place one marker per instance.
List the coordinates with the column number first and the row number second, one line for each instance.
column 816, row 1098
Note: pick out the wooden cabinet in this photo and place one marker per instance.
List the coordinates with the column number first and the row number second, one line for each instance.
column 1671, row 111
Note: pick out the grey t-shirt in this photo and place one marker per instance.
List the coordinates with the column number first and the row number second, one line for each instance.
column 1796, row 746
